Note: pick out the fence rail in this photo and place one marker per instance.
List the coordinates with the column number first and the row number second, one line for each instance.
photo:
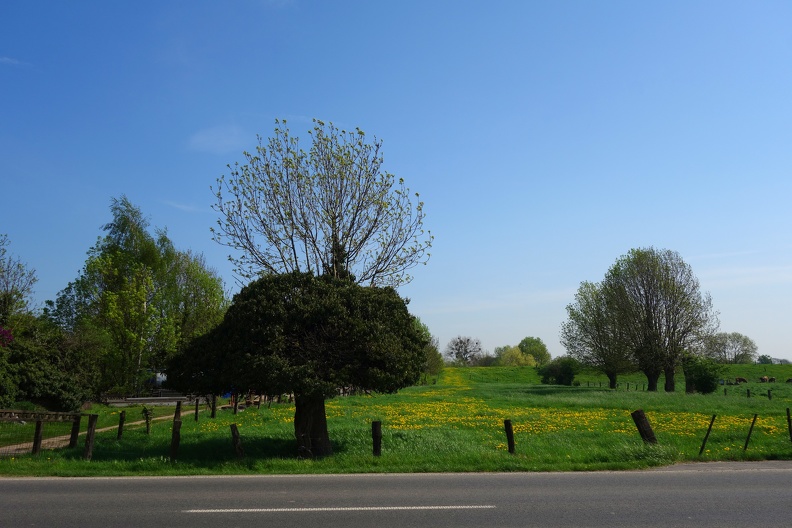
column 25, row 431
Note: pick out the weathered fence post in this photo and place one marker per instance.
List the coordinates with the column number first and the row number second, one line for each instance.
column 37, row 436
column 745, row 448
column 507, row 425
column 121, row 420
column 175, row 440
column 177, row 413
column 236, row 441
column 706, row 437
column 235, row 399
column 376, row 437
column 90, row 436
column 214, row 405
column 769, row 394
column 75, row 432
column 147, row 414
column 642, row 423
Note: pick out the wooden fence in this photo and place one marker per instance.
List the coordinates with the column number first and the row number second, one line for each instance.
column 17, row 436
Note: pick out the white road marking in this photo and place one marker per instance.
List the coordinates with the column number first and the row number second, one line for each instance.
column 341, row 509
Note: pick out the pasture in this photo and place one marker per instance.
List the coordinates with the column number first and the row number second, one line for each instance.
column 457, row 425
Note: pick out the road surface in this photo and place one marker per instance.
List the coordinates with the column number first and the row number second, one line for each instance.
column 690, row 495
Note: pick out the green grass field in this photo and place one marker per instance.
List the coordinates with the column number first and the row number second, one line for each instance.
column 457, row 425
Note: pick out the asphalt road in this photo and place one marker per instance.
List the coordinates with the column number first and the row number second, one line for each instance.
column 704, row 495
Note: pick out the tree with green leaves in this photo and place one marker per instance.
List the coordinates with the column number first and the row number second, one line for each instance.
column 593, row 335
column 512, row 356
column 146, row 298
column 730, row 347
column 310, row 336
column 535, row 347
column 331, row 210
column 659, row 305
column 433, row 362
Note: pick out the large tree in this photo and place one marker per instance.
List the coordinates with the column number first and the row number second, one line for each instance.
column 145, row 297
column 659, row 304
column 331, row 210
column 594, row 336
column 310, row 336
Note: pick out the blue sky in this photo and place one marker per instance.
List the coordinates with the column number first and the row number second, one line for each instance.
column 545, row 138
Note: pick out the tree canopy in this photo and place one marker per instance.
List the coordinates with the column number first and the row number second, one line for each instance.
column 139, row 300
column 535, row 347
column 331, row 210
column 593, row 335
column 310, row 336
column 659, row 304
column 731, row 347
column 648, row 311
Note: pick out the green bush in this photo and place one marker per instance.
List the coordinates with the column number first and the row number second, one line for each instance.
column 701, row 374
column 560, row 371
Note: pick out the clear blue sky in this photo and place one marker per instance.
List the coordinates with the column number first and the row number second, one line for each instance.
column 546, row 138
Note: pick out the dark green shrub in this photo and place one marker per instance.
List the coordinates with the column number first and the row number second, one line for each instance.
column 560, row 371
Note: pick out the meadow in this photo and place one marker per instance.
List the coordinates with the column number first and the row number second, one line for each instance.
column 457, row 425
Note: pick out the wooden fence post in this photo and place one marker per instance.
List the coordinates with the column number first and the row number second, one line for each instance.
column 706, row 437
column 75, row 432
column 90, row 436
column 147, row 414
column 769, row 394
column 376, row 437
column 789, row 424
column 645, row 430
column 175, row 439
column 121, row 420
column 214, row 405
column 507, row 425
column 236, row 441
column 37, row 437
column 177, row 414
column 197, row 402
column 745, row 448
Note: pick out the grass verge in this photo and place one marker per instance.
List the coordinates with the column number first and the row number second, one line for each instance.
column 455, row 425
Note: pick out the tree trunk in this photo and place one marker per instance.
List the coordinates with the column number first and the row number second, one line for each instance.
column 670, row 384
column 310, row 427
column 611, row 380
column 651, row 380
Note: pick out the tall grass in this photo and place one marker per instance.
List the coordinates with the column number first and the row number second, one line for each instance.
column 456, row 425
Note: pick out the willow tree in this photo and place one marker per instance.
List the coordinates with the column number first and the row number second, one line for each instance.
column 659, row 305
column 592, row 334
column 331, row 210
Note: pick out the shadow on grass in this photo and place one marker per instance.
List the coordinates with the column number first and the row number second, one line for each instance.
column 208, row 453
column 545, row 390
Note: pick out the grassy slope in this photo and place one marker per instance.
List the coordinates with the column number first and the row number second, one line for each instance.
column 457, row 425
